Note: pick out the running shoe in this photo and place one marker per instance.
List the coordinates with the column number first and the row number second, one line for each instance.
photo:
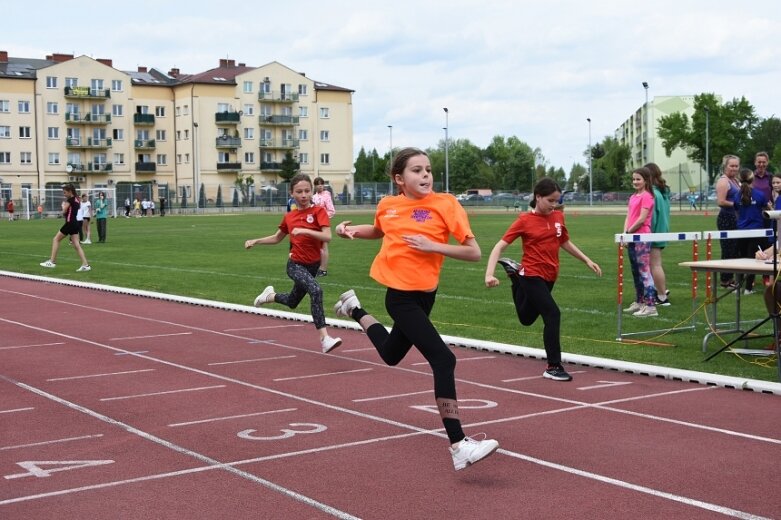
column 557, row 373
column 328, row 343
column 267, row 296
column 636, row 306
column 647, row 311
column 511, row 267
column 348, row 302
column 49, row 264
column 470, row 450
column 83, row 269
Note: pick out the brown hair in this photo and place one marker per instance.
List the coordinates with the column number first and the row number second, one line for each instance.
column 656, row 177
column 746, row 177
column 299, row 177
column 645, row 173
column 401, row 159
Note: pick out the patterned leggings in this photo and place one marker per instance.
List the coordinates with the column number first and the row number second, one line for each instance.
column 303, row 276
column 640, row 260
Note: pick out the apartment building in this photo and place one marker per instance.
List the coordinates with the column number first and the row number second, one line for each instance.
column 639, row 132
column 78, row 119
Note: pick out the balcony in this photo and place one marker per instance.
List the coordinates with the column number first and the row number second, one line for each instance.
column 87, row 93
column 99, row 167
column 278, row 97
column 227, row 118
column 225, row 141
column 144, row 144
column 227, row 167
column 146, row 167
column 87, row 119
column 284, row 144
column 73, row 167
column 144, row 119
column 278, row 120
column 89, row 143
column 270, row 166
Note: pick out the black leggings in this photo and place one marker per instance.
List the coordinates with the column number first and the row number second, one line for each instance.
column 303, row 276
column 533, row 298
column 725, row 221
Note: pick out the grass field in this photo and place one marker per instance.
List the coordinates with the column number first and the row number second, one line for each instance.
column 204, row 257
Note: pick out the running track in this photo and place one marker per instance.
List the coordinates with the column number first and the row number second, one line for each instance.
column 117, row 405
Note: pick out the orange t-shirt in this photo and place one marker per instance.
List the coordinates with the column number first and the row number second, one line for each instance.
column 436, row 216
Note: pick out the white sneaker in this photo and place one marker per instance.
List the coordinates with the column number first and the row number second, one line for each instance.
column 469, row 451
column 88, row 241
column 347, row 302
column 267, row 296
column 636, row 306
column 328, row 343
column 83, row 269
column 49, row 264
column 748, row 292
column 647, row 311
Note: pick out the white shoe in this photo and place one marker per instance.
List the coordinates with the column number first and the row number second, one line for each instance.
column 267, row 296
column 469, row 451
column 748, row 292
column 647, row 311
column 348, row 301
column 49, row 264
column 636, row 306
column 88, row 241
column 83, row 269
column 328, row 343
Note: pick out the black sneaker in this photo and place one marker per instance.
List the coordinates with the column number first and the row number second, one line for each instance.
column 511, row 267
column 663, row 303
column 557, row 373
column 320, row 272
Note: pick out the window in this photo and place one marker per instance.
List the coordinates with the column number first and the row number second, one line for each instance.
column 54, row 158
column 178, row 158
column 249, row 133
column 265, row 87
column 325, row 158
column 160, row 135
column 71, row 108
column 5, row 157
column 178, row 135
column 53, row 132
column 302, row 89
column 98, row 110
column 324, row 134
column 186, row 110
column 96, row 86
column 119, row 134
column 160, row 111
column 265, row 111
column 52, row 107
column 5, row 105
column 142, row 135
column 223, row 107
column 162, row 159
column 249, row 109
column 74, row 158
column 26, row 158
column 249, row 157
column 51, row 81
column 5, row 132
column 24, row 132
column 99, row 159
column 119, row 158
column 303, row 135
column 303, row 158
column 117, row 110
column 178, row 111
column 324, row 112
column 187, row 158
column 223, row 157
column 303, row 111
column 247, row 87
column 24, row 107
column 186, row 134
column 116, row 85
column 71, row 82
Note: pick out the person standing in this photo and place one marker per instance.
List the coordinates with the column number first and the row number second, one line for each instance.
column 660, row 223
column 70, row 208
column 101, row 216
column 9, row 207
column 762, row 178
column 638, row 220
column 308, row 228
column 415, row 227
column 542, row 232
column 322, row 197
column 162, row 206
column 749, row 203
column 86, row 217
column 727, row 187
column 127, row 207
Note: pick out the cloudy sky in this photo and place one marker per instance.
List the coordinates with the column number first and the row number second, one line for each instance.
column 535, row 70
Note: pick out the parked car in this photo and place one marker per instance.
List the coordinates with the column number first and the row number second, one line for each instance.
column 506, row 199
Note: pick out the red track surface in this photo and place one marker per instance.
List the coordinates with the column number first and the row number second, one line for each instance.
column 118, row 406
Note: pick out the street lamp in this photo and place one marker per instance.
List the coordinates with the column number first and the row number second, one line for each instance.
column 590, row 158
column 707, row 152
column 196, row 165
column 447, row 161
column 390, row 167
column 647, row 124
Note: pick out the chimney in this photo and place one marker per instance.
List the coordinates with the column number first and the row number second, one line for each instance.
column 105, row 61
column 59, row 58
column 174, row 73
column 3, row 56
column 227, row 64
column 141, row 69
column 242, row 64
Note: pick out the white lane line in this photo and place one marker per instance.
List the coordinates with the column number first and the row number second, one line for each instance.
column 249, row 360
column 32, row 346
column 101, row 375
column 326, row 374
column 55, row 441
column 197, row 389
column 17, row 410
column 357, row 349
column 460, row 360
column 268, row 327
column 531, row 378
column 151, row 336
column 130, row 353
column 214, row 419
column 380, row 398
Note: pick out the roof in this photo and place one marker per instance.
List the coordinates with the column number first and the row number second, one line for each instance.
column 24, row 68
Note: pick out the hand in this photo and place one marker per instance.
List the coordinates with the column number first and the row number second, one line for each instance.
column 594, row 267
column 491, row 281
column 419, row 242
column 248, row 244
column 760, row 255
column 343, row 231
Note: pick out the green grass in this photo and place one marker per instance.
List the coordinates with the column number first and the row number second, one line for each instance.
column 204, row 257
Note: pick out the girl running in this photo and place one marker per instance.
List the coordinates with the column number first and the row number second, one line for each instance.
column 414, row 227
column 70, row 208
column 308, row 228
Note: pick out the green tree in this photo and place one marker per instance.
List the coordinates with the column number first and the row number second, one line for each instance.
column 202, row 197
column 290, row 166
column 219, row 196
column 512, row 163
column 611, row 160
column 766, row 137
column 242, row 184
column 576, row 173
column 467, row 167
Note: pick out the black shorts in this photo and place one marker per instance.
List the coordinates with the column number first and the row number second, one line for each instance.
column 70, row 228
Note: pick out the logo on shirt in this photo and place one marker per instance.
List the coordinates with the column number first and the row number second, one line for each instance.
column 310, row 218
column 421, row 215
column 391, row 213
column 558, row 229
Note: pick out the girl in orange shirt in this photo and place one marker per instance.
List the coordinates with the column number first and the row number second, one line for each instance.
column 414, row 227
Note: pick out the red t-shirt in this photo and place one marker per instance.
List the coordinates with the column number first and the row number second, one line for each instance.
column 542, row 237
column 305, row 249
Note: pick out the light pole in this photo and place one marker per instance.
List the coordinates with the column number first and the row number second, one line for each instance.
column 707, row 154
column 447, row 161
column 647, row 125
column 196, row 162
column 390, row 164
column 590, row 158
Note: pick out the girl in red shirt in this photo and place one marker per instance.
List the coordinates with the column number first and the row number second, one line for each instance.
column 308, row 227
column 414, row 227
column 543, row 232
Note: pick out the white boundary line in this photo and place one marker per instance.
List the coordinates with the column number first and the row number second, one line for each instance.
column 691, row 376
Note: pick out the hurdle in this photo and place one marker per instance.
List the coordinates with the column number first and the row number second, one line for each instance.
column 623, row 239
